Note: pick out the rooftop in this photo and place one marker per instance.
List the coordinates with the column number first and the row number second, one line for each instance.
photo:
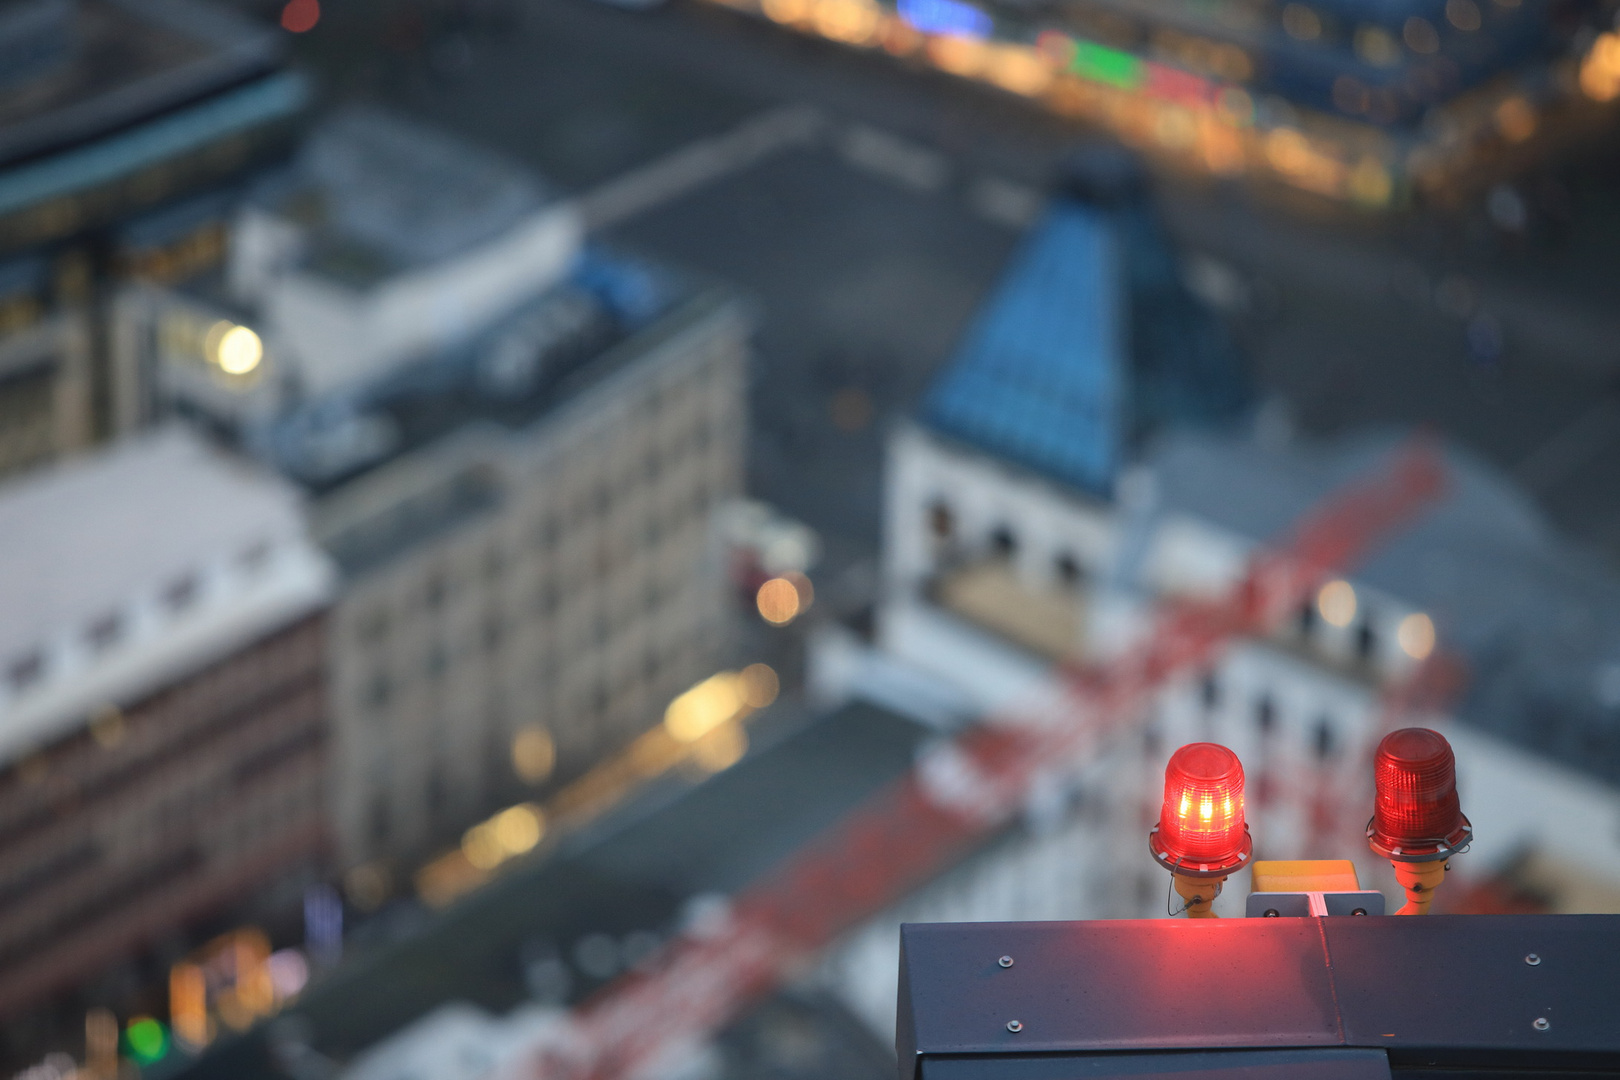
column 98, row 66
column 115, row 568
column 1088, row 342
column 1537, row 618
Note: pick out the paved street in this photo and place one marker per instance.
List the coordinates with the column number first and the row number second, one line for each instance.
column 868, row 236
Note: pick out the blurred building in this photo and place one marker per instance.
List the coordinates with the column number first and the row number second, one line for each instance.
column 512, row 439
column 122, row 125
column 162, row 707
column 1369, row 103
column 1025, row 531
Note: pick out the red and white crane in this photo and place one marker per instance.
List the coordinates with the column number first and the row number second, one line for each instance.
column 958, row 795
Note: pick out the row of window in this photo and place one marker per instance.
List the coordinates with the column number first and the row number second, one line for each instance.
column 1002, row 542
column 1324, row 733
column 175, row 598
column 611, row 555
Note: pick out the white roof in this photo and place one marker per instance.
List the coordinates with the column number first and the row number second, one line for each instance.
column 187, row 552
column 78, row 540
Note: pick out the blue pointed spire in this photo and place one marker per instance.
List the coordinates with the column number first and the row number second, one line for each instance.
column 1040, row 378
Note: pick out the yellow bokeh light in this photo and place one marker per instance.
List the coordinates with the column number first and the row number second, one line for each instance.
column 236, row 349
column 786, row 12
column 482, row 847
column 1415, row 636
column 722, row 748
column 1516, row 119
column 778, row 601
column 519, row 828
column 534, row 754
column 854, row 22
column 1337, row 603
column 759, row 685
column 1600, row 71
column 704, row 707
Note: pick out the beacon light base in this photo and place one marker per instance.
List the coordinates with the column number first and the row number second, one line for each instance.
column 1430, row 849
column 1194, row 868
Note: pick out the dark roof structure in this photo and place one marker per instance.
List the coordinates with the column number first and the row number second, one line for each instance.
column 94, row 93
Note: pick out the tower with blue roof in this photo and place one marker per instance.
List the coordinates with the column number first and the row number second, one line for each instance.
column 1089, row 343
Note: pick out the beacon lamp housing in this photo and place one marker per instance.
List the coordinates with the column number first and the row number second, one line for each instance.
column 1201, row 832
column 1416, row 814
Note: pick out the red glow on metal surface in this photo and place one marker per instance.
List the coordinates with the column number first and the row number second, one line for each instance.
column 1416, row 811
column 1201, row 824
column 300, row 16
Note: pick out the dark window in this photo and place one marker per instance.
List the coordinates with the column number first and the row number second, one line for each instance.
column 1068, row 570
column 106, row 631
column 1327, row 742
column 256, row 556
column 1366, row 642
column 1210, row 691
column 433, row 595
column 179, row 595
column 374, row 627
column 1003, row 543
column 1307, row 619
column 26, row 672
column 941, row 522
column 1265, row 714
column 379, row 690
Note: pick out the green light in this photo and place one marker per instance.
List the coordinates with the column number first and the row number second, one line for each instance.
column 1105, row 65
column 148, row 1040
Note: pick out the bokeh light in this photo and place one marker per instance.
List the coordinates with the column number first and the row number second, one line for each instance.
column 1415, row 635
column 1336, row 601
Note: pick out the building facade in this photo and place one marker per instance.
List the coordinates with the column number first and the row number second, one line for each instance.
column 520, row 602
column 512, row 439
column 164, row 704
column 123, row 129
column 1022, row 534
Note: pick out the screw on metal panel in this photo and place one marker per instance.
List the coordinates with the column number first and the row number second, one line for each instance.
column 1540, row 1023
column 1532, row 959
column 1271, row 913
column 1005, row 961
column 1359, row 911
column 1015, row 1026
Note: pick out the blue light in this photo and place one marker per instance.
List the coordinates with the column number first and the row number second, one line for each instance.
column 945, row 17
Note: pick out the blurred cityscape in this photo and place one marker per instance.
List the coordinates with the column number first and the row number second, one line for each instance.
column 534, row 533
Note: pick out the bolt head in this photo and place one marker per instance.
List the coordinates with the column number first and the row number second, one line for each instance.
column 1005, row 961
column 1015, row 1026
column 1540, row 1023
column 1532, row 959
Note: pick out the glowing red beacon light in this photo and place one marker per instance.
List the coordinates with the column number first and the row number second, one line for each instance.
column 1416, row 816
column 1201, row 830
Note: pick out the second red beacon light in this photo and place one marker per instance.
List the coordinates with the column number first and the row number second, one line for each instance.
column 1202, row 836
column 1417, row 821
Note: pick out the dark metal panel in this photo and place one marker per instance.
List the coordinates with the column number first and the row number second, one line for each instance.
column 1463, row 982
column 1116, row 985
column 1323, row 1064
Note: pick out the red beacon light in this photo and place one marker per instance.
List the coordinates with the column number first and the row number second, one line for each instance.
column 1417, row 822
column 1202, row 836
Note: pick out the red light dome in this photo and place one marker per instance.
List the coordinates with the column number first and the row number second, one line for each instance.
column 1416, row 816
column 1201, row 830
